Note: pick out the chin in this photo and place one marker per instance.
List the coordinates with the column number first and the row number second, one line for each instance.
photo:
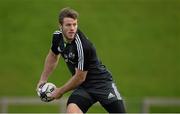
column 70, row 38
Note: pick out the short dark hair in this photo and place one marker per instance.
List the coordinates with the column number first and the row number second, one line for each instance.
column 67, row 12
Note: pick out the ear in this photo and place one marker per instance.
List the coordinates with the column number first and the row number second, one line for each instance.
column 60, row 26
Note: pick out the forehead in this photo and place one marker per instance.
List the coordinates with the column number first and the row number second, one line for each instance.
column 69, row 20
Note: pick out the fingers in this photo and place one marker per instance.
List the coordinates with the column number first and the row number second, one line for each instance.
column 40, row 85
column 56, row 94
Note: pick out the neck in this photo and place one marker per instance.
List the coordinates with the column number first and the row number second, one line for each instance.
column 66, row 39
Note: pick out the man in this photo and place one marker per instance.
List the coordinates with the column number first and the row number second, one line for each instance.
column 90, row 80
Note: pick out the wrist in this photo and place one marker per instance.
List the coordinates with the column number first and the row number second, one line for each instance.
column 42, row 81
column 61, row 91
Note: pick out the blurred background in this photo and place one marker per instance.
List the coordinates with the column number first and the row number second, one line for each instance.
column 138, row 40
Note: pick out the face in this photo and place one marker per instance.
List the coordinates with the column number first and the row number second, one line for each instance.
column 69, row 28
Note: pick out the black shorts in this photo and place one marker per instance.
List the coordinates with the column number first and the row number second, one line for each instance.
column 108, row 96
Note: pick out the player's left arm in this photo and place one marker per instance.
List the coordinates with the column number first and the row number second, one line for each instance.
column 78, row 78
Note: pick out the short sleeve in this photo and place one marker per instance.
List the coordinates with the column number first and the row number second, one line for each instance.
column 55, row 42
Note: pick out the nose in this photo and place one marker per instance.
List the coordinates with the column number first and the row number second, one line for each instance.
column 72, row 27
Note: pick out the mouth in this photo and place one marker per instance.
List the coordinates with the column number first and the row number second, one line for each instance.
column 71, row 32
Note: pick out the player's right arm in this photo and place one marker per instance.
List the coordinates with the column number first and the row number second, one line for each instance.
column 50, row 64
column 52, row 58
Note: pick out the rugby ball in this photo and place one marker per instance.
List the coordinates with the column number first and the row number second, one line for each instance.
column 45, row 90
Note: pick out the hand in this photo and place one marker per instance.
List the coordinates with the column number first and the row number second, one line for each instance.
column 57, row 93
column 41, row 83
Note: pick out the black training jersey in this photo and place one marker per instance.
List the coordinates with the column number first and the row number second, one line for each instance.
column 81, row 54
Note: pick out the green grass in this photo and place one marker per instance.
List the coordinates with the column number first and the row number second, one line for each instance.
column 164, row 109
column 138, row 40
column 33, row 109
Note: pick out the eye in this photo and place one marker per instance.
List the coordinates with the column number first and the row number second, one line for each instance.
column 74, row 24
column 68, row 24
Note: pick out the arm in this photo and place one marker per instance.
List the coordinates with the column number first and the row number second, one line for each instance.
column 51, row 62
column 74, row 82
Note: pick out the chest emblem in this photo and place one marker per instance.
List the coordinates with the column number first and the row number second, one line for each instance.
column 71, row 55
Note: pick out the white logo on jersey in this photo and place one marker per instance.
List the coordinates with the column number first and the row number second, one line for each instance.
column 71, row 55
column 111, row 95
